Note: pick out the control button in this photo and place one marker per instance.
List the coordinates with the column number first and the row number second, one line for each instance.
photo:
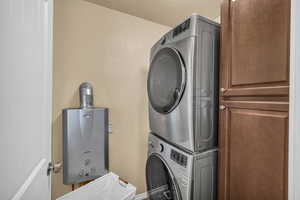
column 182, row 160
column 161, row 148
column 87, row 162
column 172, row 155
column 151, row 145
column 176, row 156
column 81, row 173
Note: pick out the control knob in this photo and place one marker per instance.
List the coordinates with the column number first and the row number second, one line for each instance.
column 161, row 146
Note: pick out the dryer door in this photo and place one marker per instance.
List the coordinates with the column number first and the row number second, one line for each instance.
column 166, row 80
column 161, row 183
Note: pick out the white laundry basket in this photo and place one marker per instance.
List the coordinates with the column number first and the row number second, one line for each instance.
column 108, row 187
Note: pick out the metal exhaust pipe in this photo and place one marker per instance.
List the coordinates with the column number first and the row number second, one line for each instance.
column 86, row 95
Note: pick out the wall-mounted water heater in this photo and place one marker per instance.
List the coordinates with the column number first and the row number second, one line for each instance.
column 85, row 140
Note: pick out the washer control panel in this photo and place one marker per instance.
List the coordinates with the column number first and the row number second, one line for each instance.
column 179, row 158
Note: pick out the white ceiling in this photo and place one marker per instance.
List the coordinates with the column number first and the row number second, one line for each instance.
column 166, row 12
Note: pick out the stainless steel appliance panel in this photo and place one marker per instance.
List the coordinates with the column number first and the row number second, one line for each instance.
column 85, row 144
column 191, row 120
column 193, row 174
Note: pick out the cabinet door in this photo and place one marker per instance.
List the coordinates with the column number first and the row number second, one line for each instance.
column 255, row 47
column 253, row 150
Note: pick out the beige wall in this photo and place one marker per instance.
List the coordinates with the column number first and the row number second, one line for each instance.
column 111, row 50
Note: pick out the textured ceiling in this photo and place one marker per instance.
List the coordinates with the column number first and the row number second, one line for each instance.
column 166, row 12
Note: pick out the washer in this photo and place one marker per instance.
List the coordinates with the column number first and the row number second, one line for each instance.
column 183, row 85
column 174, row 174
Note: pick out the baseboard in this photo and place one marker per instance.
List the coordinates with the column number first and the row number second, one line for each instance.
column 142, row 196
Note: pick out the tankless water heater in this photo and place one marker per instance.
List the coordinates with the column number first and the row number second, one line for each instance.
column 85, row 140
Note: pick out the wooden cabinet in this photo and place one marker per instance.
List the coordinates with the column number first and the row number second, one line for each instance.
column 254, row 102
column 253, row 156
column 255, row 39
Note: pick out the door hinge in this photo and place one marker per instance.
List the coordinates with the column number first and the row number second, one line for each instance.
column 55, row 168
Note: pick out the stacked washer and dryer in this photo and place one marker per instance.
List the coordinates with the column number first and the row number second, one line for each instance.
column 183, row 112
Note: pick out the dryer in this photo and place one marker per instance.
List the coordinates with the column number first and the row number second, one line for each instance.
column 183, row 85
column 173, row 174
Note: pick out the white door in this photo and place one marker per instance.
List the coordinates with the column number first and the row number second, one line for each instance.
column 25, row 98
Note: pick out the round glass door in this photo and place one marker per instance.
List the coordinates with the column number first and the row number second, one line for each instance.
column 161, row 184
column 166, row 80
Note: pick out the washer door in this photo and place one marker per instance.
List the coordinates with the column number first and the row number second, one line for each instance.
column 161, row 184
column 166, row 80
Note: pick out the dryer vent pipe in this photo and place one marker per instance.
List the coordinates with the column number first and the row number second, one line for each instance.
column 86, row 95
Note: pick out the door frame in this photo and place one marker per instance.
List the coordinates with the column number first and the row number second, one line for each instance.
column 294, row 118
column 50, row 43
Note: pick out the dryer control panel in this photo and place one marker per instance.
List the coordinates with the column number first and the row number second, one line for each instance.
column 179, row 158
column 182, row 27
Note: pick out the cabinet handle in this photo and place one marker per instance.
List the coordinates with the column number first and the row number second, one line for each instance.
column 222, row 90
column 222, row 107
